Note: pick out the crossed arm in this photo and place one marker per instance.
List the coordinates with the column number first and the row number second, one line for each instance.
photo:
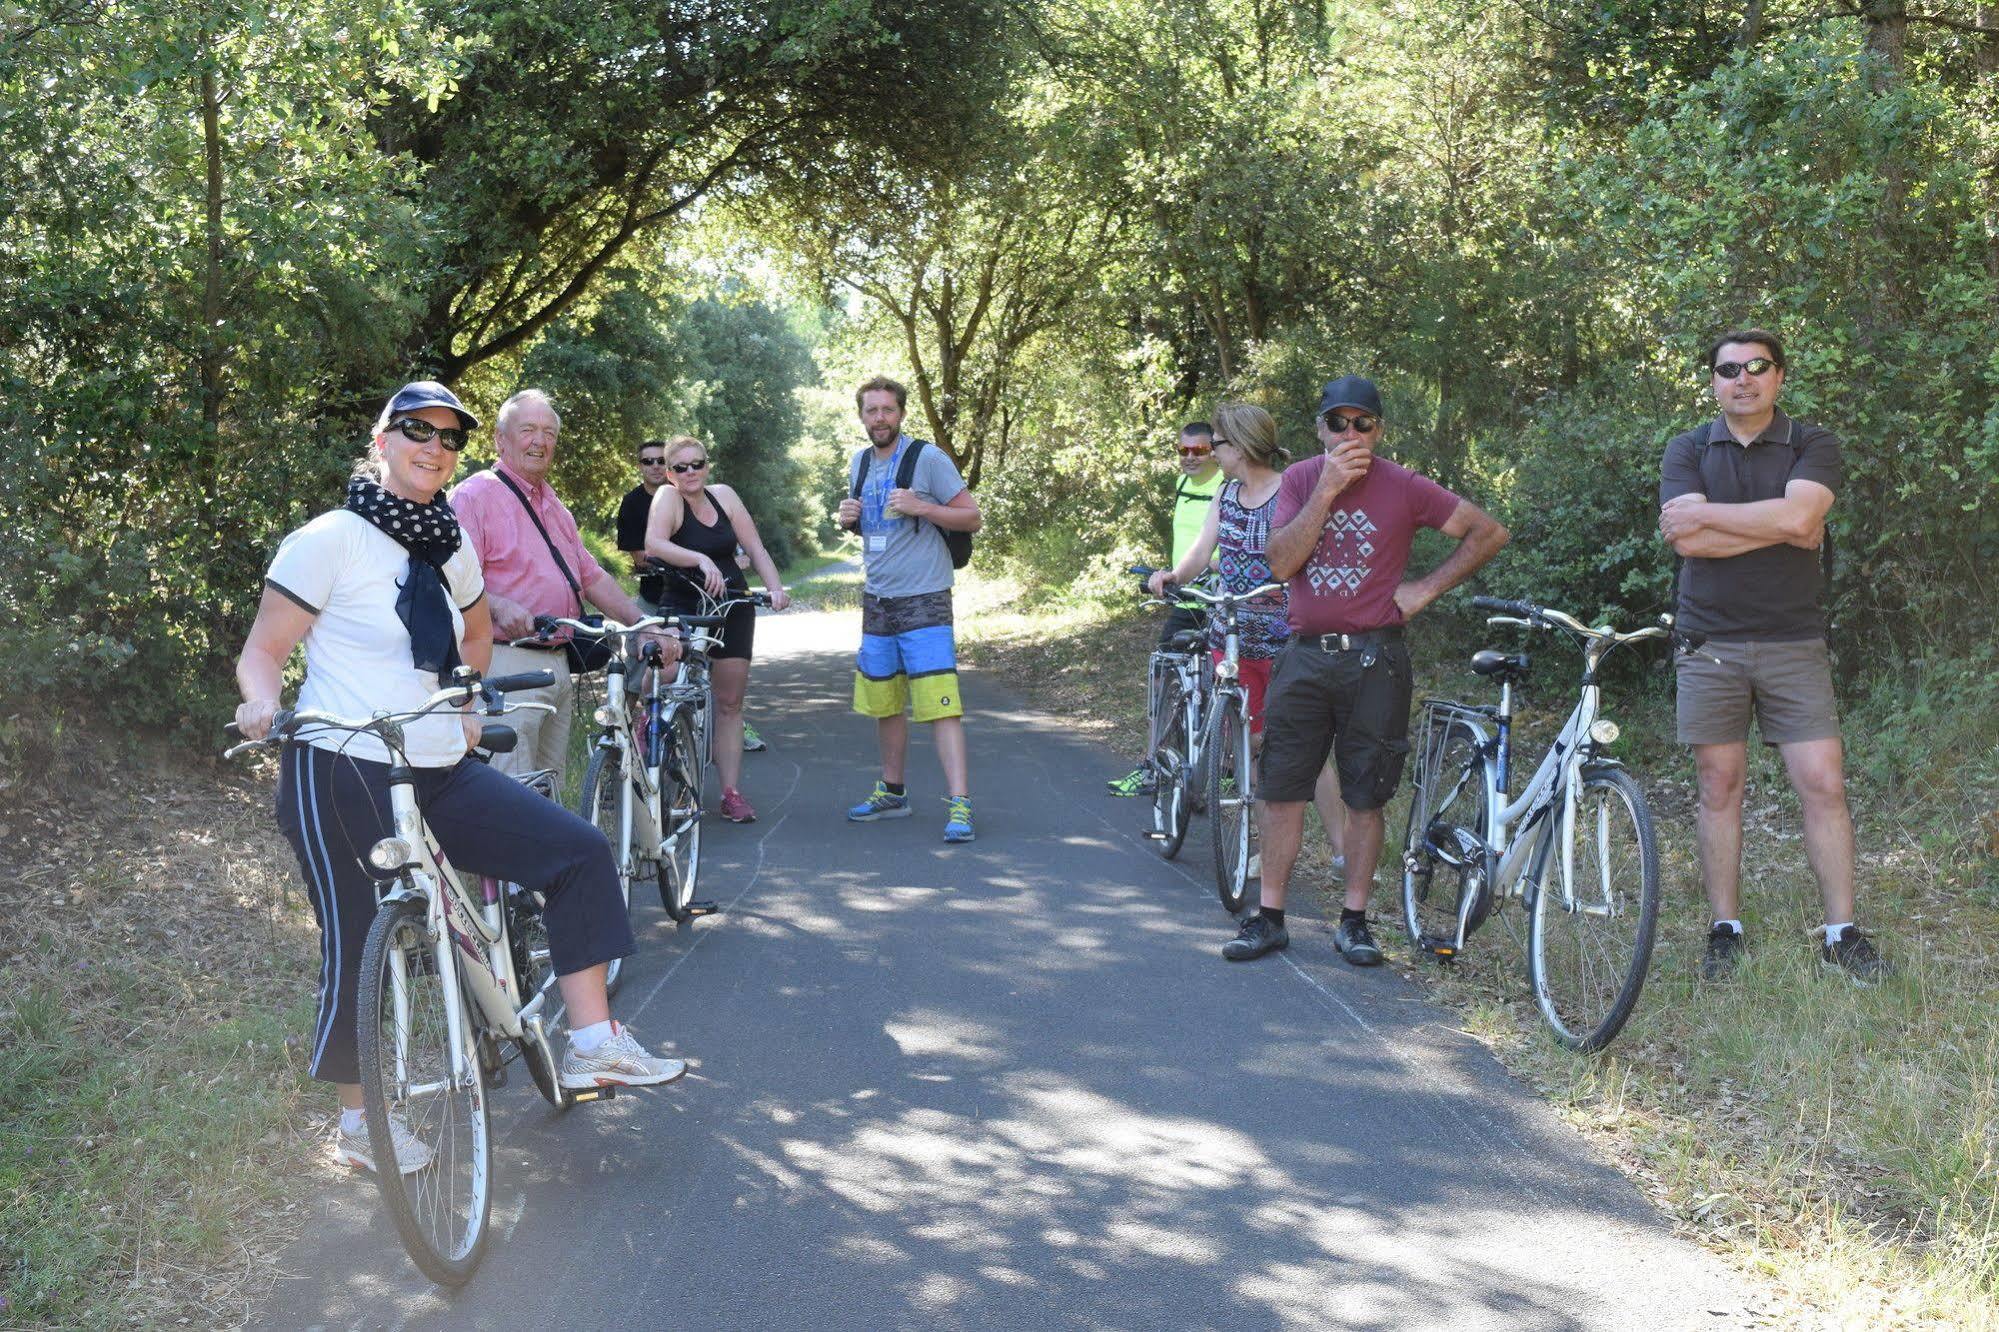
column 1697, row 527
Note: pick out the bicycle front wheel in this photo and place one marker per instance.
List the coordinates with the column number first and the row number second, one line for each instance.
column 1171, row 777
column 1231, row 798
column 440, row 1192
column 1588, row 957
column 604, row 792
column 680, row 815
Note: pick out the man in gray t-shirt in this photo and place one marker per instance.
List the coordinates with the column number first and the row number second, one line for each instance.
column 908, row 657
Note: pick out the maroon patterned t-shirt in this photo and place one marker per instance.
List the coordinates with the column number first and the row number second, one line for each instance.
column 1348, row 584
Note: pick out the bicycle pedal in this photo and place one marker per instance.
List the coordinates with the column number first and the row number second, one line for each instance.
column 702, row 908
column 606, row 1092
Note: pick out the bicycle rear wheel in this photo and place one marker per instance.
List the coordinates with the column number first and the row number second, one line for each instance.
column 1231, row 797
column 1170, row 775
column 1447, row 793
column 680, row 815
column 407, row 1038
column 1588, row 962
column 600, row 803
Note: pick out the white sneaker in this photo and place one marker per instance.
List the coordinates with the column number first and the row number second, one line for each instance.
column 619, row 1062
column 354, row 1149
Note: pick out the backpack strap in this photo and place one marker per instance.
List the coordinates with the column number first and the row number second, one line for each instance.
column 905, row 472
column 535, row 518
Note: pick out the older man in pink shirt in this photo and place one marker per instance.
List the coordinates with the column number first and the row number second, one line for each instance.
column 534, row 564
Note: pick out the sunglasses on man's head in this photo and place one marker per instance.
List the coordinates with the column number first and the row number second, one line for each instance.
column 1195, row 450
column 419, row 431
column 1761, row 365
column 651, row 462
column 689, row 466
column 1361, row 423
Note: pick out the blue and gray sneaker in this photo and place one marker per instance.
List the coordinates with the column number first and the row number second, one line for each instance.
column 958, row 825
column 883, row 804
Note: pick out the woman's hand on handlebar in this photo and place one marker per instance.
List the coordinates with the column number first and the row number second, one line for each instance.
column 779, row 598
column 469, row 719
column 253, row 718
column 1156, row 584
column 711, row 577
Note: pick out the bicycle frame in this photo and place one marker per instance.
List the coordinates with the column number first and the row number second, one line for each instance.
column 1515, row 863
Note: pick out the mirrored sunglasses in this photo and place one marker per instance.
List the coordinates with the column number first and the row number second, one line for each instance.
column 1761, row 365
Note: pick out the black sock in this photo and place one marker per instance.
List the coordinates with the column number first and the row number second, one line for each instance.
column 1275, row 915
column 1349, row 914
column 896, row 788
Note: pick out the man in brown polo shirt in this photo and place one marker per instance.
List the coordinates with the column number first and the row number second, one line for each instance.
column 1743, row 499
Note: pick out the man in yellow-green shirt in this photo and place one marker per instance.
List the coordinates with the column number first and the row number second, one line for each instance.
column 1194, row 490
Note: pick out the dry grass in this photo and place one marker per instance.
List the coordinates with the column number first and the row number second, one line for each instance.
column 157, row 1135
column 1836, row 1143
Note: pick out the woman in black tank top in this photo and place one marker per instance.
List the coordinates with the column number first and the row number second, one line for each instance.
column 695, row 527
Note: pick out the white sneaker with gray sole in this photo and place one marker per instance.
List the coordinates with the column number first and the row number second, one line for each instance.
column 354, row 1149
column 619, row 1062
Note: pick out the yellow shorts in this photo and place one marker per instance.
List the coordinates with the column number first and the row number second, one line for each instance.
column 928, row 698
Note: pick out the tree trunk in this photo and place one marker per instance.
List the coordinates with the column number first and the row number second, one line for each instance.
column 210, row 344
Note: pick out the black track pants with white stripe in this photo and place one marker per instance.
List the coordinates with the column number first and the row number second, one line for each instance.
column 332, row 808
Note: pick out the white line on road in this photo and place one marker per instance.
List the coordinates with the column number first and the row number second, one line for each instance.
column 797, row 773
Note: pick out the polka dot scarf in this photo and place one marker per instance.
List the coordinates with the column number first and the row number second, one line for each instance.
column 430, row 533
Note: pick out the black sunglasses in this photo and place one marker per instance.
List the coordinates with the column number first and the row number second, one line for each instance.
column 651, row 462
column 419, row 431
column 1362, row 424
column 689, row 467
column 1762, row 365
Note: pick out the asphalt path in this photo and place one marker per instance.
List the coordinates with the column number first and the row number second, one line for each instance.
column 1012, row 1084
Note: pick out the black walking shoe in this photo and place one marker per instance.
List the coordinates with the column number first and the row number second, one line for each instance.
column 1257, row 937
column 1853, row 953
column 1724, row 952
column 1356, row 944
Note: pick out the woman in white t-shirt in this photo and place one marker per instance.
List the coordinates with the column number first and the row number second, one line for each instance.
column 387, row 599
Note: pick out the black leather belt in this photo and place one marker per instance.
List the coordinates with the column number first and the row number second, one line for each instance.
column 1351, row 642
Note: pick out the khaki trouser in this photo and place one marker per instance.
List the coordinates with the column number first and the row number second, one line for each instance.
column 544, row 736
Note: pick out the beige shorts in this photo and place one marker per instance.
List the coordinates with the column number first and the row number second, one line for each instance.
column 1787, row 686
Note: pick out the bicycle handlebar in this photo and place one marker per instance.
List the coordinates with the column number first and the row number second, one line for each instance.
column 287, row 722
column 1525, row 614
column 1197, row 593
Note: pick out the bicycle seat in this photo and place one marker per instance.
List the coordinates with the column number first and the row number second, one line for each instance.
column 1491, row 661
column 1186, row 640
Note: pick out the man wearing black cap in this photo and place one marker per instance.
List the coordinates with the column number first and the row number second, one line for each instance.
column 1341, row 535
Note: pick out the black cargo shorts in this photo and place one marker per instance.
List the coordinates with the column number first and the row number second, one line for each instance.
column 1351, row 704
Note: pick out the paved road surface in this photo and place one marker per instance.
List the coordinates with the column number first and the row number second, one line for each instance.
column 1012, row 1085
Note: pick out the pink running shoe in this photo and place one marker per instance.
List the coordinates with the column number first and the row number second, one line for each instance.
column 736, row 809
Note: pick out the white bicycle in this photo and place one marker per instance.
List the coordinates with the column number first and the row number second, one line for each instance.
column 1576, row 847
column 440, row 1021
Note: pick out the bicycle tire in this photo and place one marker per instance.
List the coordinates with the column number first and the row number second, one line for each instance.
column 680, row 773
column 1231, row 797
column 1170, row 777
column 1448, row 789
column 1588, row 969
column 534, row 969
column 406, row 1036
column 598, row 803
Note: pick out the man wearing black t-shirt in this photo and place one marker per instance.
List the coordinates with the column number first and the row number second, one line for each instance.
column 632, row 512
column 1743, row 500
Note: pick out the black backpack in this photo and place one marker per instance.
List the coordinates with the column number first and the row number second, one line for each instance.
column 958, row 543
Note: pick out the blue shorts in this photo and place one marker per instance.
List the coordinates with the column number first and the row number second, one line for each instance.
column 908, row 658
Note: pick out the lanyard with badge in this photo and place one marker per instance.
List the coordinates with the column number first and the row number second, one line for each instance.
column 875, row 522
